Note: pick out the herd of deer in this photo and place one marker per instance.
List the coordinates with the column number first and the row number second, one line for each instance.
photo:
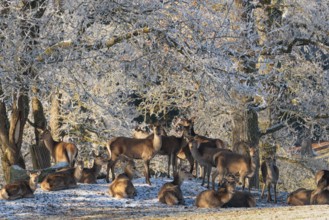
column 207, row 152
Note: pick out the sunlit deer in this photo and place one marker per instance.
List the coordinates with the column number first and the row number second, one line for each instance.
column 60, row 151
column 133, row 148
column 214, row 199
column 122, row 186
column 171, row 193
column 234, row 163
column 64, row 179
column 21, row 189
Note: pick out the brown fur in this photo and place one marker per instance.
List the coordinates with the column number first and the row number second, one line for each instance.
column 214, row 199
column 241, row 199
column 300, row 196
column 322, row 179
column 171, row 193
column 320, row 198
column 203, row 152
column 20, row 189
column 60, row 151
column 89, row 175
column 63, row 179
column 133, row 148
column 270, row 174
column 230, row 162
column 122, row 187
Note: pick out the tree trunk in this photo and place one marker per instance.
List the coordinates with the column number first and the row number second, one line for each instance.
column 11, row 132
column 55, row 115
column 39, row 152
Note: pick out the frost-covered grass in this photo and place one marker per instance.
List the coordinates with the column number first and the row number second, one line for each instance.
column 93, row 200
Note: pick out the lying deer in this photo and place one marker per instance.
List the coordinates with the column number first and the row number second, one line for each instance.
column 122, row 187
column 20, row 189
column 230, row 162
column 270, row 175
column 60, row 151
column 133, row 148
column 89, row 175
column 319, row 197
column 241, row 199
column 300, row 196
column 171, row 193
column 63, row 179
column 214, row 199
column 322, row 179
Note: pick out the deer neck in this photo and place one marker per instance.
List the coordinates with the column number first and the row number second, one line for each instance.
column 129, row 172
column 252, row 163
column 96, row 168
column 157, row 142
column 78, row 173
column 50, row 144
column 33, row 184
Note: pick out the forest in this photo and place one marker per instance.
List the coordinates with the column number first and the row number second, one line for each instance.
column 255, row 71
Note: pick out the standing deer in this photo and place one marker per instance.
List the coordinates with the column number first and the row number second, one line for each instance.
column 214, row 199
column 63, row 179
column 89, row 175
column 300, row 196
column 60, row 151
column 270, row 175
column 133, row 148
column 122, row 187
column 171, row 193
column 203, row 152
column 188, row 132
column 230, row 162
column 20, row 189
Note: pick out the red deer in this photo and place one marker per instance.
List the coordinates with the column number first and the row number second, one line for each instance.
column 230, row 162
column 171, row 145
column 203, row 152
column 89, row 175
column 171, row 193
column 21, row 189
column 133, row 148
column 322, row 179
column 300, row 196
column 188, row 131
column 320, row 197
column 122, row 187
column 270, row 175
column 214, row 199
column 241, row 199
column 60, row 151
column 63, row 179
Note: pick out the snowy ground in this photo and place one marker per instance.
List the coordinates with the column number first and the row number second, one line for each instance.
column 92, row 201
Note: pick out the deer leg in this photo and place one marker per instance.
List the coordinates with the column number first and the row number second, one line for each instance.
column 169, row 161
column 213, row 177
column 208, row 175
column 269, row 192
column 147, row 171
column 274, row 187
column 263, row 189
column 110, row 166
column 174, row 163
column 203, row 176
column 242, row 181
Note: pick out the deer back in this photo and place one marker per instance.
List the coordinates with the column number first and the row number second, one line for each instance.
column 300, row 196
column 241, row 199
